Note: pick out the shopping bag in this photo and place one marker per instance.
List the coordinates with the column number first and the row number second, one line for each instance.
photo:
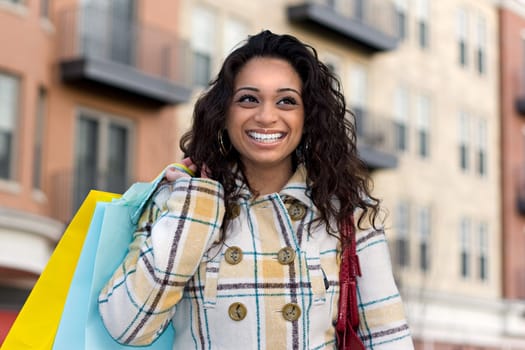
column 105, row 247
column 37, row 322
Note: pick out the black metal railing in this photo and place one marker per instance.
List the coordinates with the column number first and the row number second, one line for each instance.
column 378, row 14
column 373, row 130
column 91, row 31
column 370, row 23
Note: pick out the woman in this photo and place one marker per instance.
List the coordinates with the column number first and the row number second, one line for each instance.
column 245, row 256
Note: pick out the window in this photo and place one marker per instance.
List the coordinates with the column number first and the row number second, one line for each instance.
column 465, row 247
column 423, row 14
column 481, row 44
column 235, row 31
column 402, row 222
column 481, row 145
column 464, row 140
column 423, row 126
column 9, row 95
column 423, row 228
column 103, row 154
column 401, row 18
column 462, row 34
column 400, row 119
column 358, row 96
column 483, row 251
column 40, row 116
column 203, row 44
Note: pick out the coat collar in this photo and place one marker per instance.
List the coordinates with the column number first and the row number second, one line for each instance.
column 296, row 188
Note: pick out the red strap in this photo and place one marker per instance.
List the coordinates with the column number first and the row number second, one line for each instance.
column 348, row 316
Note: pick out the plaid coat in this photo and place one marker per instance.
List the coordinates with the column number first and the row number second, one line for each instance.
column 237, row 299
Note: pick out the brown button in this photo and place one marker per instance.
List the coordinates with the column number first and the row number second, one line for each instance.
column 233, row 211
column 237, row 311
column 286, row 256
column 291, row 312
column 297, row 211
column 233, row 255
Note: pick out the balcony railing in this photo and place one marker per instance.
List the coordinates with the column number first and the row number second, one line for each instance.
column 123, row 55
column 368, row 23
column 68, row 191
column 375, row 139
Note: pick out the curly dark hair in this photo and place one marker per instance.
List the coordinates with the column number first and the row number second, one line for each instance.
column 328, row 145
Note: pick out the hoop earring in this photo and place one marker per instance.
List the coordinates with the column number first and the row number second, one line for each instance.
column 222, row 148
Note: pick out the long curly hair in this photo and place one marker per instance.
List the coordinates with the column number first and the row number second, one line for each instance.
column 328, row 145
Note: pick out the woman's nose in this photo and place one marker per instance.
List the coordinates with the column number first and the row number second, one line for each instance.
column 266, row 114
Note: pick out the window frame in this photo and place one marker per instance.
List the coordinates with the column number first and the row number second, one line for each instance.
column 204, row 46
column 401, row 112
column 104, row 121
column 424, row 228
column 12, row 170
column 423, row 27
column 402, row 224
column 481, row 45
column 483, row 251
column 465, row 247
column 423, row 126
column 464, row 140
column 39, row 136
column 462, row 26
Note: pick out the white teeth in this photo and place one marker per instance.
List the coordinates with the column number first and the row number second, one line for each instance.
column 265, row 137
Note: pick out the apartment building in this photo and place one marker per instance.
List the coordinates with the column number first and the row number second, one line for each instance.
column 88, row 91
column 422, row 77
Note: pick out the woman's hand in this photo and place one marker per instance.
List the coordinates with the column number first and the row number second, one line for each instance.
column 173, row 173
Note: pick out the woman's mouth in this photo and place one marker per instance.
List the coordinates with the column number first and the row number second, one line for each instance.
column 266, row 138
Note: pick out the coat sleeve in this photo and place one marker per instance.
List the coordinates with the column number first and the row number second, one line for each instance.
column 173, row 234
column 383, row 325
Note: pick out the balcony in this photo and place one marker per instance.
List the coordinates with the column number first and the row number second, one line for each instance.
column 120, row 57
column 375, row 140
column 368, row 24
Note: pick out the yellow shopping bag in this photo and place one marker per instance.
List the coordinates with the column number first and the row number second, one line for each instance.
column 37, row 323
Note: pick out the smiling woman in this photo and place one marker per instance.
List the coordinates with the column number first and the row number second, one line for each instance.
column 246, row 254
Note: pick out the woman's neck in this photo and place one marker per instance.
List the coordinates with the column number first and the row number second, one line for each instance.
column 265, row 180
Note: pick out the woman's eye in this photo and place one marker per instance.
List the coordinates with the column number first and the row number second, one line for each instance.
column 287, row 101
column 247, row 99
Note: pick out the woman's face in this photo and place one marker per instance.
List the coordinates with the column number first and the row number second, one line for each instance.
column 266, row 116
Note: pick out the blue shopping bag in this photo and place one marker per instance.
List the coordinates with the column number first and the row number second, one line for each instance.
column 104, row 249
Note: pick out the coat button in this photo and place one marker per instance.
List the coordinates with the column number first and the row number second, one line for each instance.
column 286, row 256
column 291, row 312
column 233, row 255
column 237, row 311
column 297, row 211
column 233, row 211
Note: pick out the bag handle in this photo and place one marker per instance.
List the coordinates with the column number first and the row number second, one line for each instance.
column 348, row 315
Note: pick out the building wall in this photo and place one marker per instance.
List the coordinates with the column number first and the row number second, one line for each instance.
column 32, row 220
column 512, row 22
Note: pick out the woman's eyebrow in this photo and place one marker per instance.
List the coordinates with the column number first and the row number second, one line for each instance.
column 251, row 88
column 289, row 89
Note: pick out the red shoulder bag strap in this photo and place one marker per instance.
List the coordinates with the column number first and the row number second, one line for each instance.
column 348, row 316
